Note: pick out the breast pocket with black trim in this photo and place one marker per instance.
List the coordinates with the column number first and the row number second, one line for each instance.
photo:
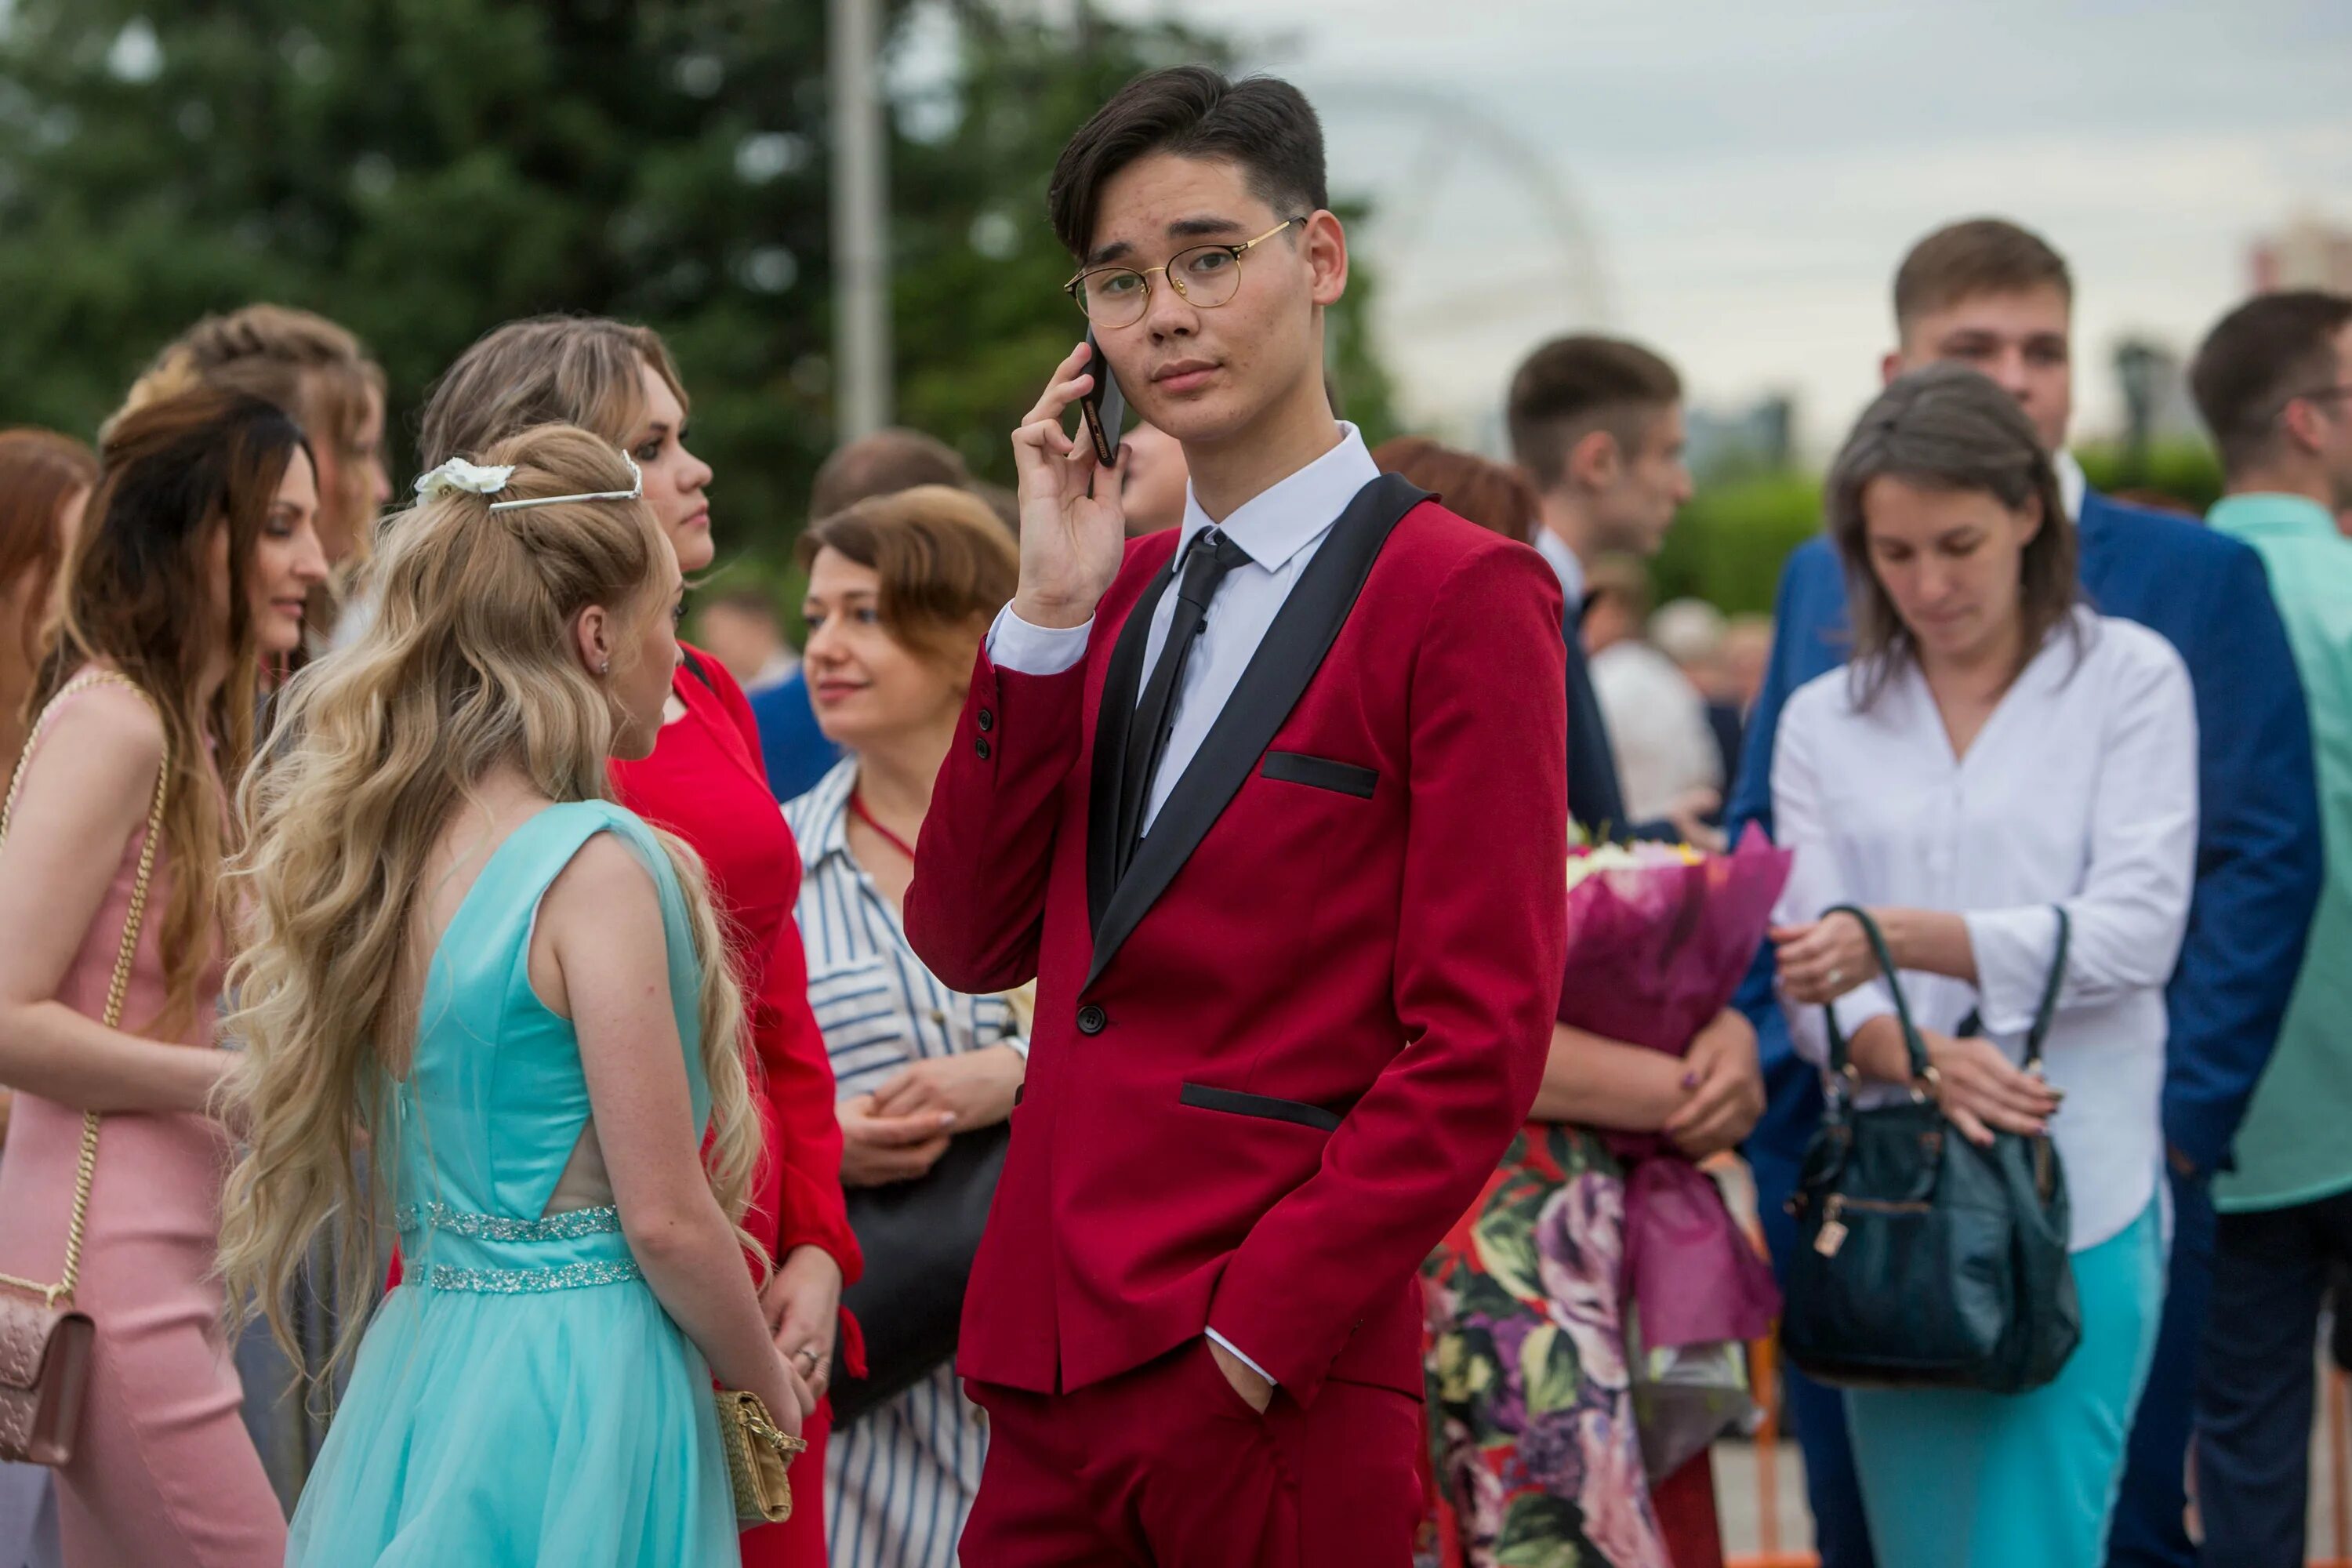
column 1320, row 773
column 1234, row 1102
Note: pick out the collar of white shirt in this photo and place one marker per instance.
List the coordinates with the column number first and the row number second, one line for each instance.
column 2073, row 483
column 1554, row 548
column 1292, row 513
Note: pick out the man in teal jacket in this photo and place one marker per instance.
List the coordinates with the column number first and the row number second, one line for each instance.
column 2274, row 382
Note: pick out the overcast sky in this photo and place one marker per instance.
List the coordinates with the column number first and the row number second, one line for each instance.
column 1735, row 183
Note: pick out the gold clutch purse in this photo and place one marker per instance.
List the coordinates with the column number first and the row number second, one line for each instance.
column 759, row 1458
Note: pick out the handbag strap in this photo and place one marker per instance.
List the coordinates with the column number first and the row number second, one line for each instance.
column 2050, row 989
column 62, row 1292
column 1916, row 1049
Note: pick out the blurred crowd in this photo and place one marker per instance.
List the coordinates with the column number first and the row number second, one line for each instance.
column 2062, row 780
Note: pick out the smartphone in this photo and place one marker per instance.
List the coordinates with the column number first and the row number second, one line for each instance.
column 1105, row 406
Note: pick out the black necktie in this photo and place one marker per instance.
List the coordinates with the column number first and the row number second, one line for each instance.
column 1207, row 561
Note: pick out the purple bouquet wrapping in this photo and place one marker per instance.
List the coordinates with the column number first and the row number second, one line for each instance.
column 1659, row 938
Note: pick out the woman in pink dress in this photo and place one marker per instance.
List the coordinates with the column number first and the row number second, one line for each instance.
column 195, row 557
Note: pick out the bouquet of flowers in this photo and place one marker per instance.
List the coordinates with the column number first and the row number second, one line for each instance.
column 1659, row 938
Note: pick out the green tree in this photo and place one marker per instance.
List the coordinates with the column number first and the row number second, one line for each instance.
column 422, row 170
column 1728, row 545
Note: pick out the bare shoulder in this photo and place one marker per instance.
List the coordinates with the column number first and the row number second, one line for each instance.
column 98, row 756
column 112, row 722
column 603, row 884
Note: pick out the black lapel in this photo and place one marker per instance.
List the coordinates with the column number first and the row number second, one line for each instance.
column 1278, row 675
column 1122, row 681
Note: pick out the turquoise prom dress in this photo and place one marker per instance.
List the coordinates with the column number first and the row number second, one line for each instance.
column 521, row 1398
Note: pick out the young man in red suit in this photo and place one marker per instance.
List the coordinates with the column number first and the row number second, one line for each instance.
column 1273, row 805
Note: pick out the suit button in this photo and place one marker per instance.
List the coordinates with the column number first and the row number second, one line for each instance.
column 987, row 720
column 1091, row 1020
column 981, row 747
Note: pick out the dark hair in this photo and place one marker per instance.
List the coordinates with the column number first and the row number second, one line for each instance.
column 1488, row 494
column 947, row 566
column 1976, row 256
column 1262, row 123
column 173, row 473
column 41, row 470
column 882, row 463
column 1574, row 386
column 2260, row 357
column 1946, row 427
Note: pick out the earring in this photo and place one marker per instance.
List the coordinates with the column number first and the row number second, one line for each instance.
column 606, row 668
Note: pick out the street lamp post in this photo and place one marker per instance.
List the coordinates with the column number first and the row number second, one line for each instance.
column 861, row 261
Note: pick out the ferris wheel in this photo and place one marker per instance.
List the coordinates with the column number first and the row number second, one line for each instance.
column 1481, row 242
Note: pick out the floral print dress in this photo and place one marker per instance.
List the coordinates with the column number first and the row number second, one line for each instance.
column 1531, row 1418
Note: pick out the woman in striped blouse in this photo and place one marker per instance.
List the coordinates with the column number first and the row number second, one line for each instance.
column 901, row 589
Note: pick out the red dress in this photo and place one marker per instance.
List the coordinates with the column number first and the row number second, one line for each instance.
column 705, row 784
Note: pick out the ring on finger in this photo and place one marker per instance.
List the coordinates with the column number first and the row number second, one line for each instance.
column 1837, row 976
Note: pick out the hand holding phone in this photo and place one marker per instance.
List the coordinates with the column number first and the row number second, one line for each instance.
column 1073, row 526
column 1104, row 406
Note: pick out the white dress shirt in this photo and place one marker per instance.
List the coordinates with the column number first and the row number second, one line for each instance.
column 2073, row 483
column 2080, row 790
column 1280, row 529
column 1657, row 728
column 1564, row 564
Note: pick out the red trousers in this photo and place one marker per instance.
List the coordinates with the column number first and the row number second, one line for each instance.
column 1166, row 1466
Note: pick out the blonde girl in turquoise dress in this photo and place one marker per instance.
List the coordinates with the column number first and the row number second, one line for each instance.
column 509, row 995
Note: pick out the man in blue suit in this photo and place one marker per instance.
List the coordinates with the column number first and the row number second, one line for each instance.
column 1988, row 294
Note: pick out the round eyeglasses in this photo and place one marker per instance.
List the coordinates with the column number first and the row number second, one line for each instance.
column 1206, row 276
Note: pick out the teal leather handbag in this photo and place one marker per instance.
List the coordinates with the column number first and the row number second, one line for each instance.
column 1923, row 1260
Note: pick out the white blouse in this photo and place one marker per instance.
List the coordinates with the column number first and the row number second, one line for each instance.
column 2080, row 790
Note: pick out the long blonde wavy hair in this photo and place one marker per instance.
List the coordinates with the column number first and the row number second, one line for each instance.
column 467, row 667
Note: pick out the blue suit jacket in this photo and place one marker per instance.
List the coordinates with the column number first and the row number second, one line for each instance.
column 2258, row 860
column 795, row 751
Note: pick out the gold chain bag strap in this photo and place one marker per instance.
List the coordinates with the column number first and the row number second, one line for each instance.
column 45, row 1345
column 759, row 1458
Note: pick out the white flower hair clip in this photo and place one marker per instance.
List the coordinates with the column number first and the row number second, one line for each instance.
column 457, row 474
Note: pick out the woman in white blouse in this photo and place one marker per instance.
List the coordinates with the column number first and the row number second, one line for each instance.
column 901, row 589
column 1995, row 749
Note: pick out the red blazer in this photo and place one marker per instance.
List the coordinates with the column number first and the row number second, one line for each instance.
column 1278, row 1060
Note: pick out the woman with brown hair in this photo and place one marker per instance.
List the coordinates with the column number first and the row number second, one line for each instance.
column 45, row 478
column 1489, row 494
column 705, row 783
column 901, row 590
column 320, row 373
column 2007, row 781
column 198, row 553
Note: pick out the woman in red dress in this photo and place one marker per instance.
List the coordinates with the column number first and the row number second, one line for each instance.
column 705, row 783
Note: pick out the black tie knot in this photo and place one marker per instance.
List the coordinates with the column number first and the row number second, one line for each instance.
column 1211, row 556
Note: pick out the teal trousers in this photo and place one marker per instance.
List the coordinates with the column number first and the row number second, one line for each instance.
column 1957, row 1479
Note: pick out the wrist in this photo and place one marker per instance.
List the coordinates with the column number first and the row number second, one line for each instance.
column 810, row 1259
column 1054, row 612
column 1895, row 928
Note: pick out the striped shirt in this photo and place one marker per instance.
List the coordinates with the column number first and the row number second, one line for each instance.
column 898, row 1483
